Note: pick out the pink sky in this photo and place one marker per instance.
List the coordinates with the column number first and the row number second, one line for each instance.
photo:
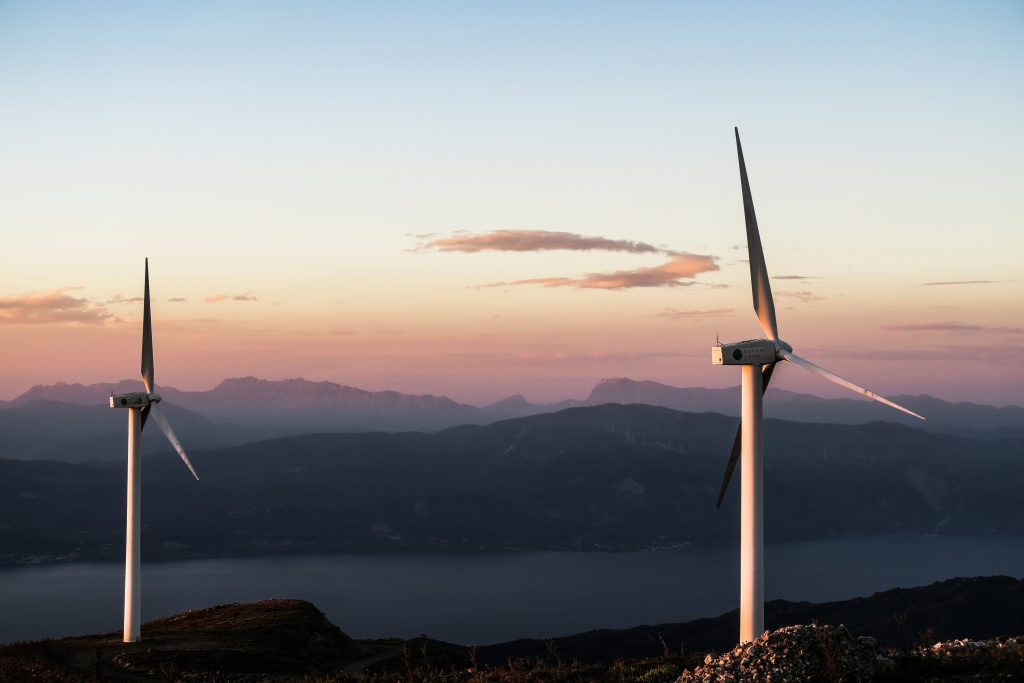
column 482, row 344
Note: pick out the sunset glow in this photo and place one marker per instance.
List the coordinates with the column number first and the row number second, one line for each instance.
column 551, row 198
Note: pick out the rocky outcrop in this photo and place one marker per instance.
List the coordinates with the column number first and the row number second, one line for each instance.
column 237, row 642
column 980, row 659
column 797, row 653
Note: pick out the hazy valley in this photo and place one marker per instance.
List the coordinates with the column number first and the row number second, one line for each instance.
column 602, row 477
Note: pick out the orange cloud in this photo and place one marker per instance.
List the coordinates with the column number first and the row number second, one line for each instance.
column 214, row 298
column 683, row 266
column 50, row 307
column 534, row 240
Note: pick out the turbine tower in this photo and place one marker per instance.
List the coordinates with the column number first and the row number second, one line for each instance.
column 140, row 406
column 757, row 358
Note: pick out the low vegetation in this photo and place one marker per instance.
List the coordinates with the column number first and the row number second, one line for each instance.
column 290, row 640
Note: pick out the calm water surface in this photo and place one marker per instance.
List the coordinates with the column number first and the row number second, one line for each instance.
column 490, row 597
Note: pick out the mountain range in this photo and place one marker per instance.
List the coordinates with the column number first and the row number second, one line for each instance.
column 290, row 403
column 71, row 421
column 601, row 477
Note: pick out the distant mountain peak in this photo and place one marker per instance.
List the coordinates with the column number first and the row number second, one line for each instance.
column 626, row 390
column 509, row 402
column 82, row 394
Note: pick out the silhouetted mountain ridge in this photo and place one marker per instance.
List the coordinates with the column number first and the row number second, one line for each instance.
column 976, row 608
column 290, row 405
column 968, row 419
column 258, row 408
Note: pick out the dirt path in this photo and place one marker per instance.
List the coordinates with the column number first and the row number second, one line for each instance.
column 355, row 669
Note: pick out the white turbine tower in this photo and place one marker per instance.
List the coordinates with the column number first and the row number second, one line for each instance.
column 140, row 405
column 758, row 358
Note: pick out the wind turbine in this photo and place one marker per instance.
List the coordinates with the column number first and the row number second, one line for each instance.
column 140, row 405
column 757, row 358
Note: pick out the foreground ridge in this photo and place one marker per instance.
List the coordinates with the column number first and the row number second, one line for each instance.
column 889, row 636
column 819, row 652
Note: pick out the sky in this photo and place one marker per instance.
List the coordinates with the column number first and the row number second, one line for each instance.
column 481, row 199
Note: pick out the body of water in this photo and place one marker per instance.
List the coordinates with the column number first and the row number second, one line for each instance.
column 491, row 597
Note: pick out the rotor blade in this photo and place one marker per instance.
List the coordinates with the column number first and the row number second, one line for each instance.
column 145, row 413
column 764, row 306
column 734, row 455
column 169, row 433
column 147, row 338
column 832, row 377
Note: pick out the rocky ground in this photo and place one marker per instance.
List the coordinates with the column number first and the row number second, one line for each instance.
column 797, row 653
column 830, row 653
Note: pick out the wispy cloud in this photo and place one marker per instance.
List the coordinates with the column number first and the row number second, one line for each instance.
column 960, row 282
column 214, row 298
column 581, row 357
column 677, row 314
column 682, row 267
column 1001, row 353
column 533, row 240
column 118, row 299
column 51, row 307
column 796, row 277
column 954, row 327
column 177, row 299
column 803, row 296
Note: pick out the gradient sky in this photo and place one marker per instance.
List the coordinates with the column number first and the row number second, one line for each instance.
column 313, row 183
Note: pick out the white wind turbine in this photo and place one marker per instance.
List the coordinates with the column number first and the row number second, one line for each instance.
column 140, row 405
column 758, row 358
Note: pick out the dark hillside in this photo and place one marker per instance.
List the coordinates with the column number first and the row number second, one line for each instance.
column 291, row 640
column 276, row 638
column 605, row 477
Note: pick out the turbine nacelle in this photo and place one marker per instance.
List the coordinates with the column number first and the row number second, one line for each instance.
column 136, row 399
column 749, row 352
